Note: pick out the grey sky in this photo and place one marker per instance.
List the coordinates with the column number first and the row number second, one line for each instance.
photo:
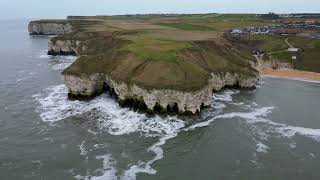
column 12, row 9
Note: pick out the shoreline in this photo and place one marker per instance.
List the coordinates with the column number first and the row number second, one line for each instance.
column 292, row 74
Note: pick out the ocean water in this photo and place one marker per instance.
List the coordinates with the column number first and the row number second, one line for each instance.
column 272, row 132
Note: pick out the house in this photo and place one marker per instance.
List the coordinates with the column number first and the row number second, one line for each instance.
column 236, row 31
column 293, row 49
column 289, row 31
column 310, row 21
column 257, row 52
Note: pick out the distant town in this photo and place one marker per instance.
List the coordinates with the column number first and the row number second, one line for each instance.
column 286, row 28
column 299, row 23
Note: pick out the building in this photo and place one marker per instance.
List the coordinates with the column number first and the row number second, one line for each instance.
column 289, row 31
column 236, row 31
column 293, row 49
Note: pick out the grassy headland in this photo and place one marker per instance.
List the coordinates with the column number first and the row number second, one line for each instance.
column 176, row 52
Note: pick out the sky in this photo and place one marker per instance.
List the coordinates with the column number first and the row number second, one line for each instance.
column 34, row 9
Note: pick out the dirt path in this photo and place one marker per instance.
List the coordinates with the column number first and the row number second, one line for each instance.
column 288, row 43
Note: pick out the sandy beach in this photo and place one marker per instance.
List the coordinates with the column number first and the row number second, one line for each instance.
column 291, row 74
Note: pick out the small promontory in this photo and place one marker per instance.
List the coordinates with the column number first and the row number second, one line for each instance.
column 49, row 27
column 154, row 63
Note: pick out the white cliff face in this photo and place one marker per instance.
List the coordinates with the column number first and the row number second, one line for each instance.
column 218, row 81
column 84, row 86
column 186, row 101
column 42, row 28
column 69, row 47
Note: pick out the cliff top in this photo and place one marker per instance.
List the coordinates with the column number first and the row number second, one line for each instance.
column 176, row 52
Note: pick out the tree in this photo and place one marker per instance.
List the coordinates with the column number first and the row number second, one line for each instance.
column 270, row 15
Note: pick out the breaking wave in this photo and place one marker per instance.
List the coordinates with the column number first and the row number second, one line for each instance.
column 56, row 62
column 61, row 62
column 55, row 106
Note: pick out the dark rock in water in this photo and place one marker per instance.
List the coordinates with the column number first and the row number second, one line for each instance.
column 61, row 53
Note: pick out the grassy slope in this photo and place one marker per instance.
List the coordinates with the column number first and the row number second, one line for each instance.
column 268, row 43
column 176, row 52
column 310, row 58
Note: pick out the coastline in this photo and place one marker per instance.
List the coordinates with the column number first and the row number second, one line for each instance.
column 291, row 74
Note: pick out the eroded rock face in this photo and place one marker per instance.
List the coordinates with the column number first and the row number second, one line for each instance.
column 88, row 86
column 49, row 28
column 63, row 47
column 84, row 87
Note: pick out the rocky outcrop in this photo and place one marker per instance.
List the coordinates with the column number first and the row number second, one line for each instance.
column 55, row 46
column 84, row 87
column 89, row 86
column 63, row 47
column 49, row 28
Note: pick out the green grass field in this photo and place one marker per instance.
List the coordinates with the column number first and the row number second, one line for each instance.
column 310, row 56
column 186, row 26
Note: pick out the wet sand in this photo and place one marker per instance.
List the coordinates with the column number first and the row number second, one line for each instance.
column 291, row 74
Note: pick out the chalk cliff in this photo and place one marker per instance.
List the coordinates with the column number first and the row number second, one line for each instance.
column 63, row 47
column 186, row 101
column 49, row 28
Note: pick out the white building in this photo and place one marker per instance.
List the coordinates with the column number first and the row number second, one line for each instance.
column 293, row 49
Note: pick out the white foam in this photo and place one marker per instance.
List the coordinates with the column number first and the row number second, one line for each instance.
column 216, row 105
column 199, row 125
column 262, row 148
column 55, row 106
column 22, row 79
column 62, row 62
column 108, row 170
column 226, row 96
column 142, row 167
column 166, row 128
column 292, row 145
column 253, row 116
column 238, row 103
column 290, row 131
column 312, row 155
column 56, row 62
column 256, row 116
column 285, row 130
column 44, row 56
column 92, row 132
column 82, row 149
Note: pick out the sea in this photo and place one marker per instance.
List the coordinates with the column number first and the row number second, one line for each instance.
column 271, row 132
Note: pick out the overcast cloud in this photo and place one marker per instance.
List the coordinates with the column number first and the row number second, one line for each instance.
column 13, row 9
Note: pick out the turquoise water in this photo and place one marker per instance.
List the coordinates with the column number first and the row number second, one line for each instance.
column 272, row 132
